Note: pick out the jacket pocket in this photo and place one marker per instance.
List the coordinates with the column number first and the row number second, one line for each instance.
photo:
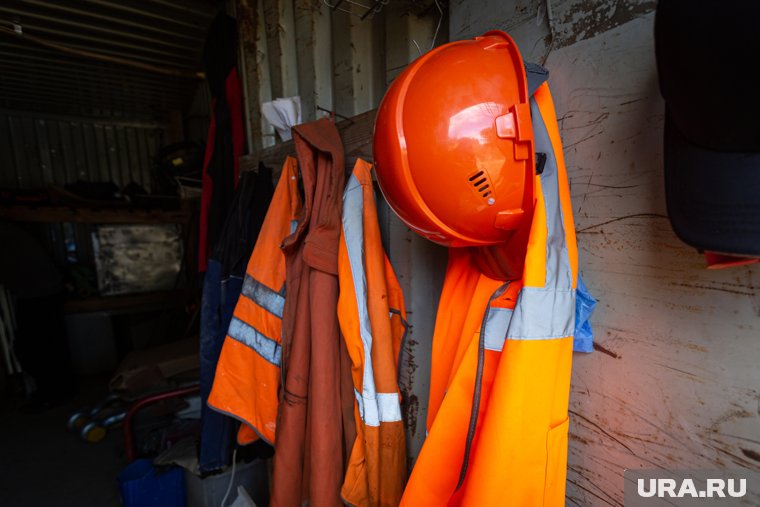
column 556, row 464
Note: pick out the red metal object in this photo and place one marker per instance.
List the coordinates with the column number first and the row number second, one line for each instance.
column 129, row 438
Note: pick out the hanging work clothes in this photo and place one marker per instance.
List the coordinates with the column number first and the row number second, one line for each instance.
column 501, row 382
column 315, row 428
column 247, row 377
column 244, row 221
column 225, row 142
column 221, row 288
column 372, row 320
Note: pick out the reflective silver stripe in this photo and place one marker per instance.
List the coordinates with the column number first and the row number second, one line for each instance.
column 269, row 300
column 374, row 407
column 353, row 231
column 250, row 336
column 543, row 314
column 496, row 328
column 293, row 226
column 384, row 407
column 558, row 272
column 547, row 312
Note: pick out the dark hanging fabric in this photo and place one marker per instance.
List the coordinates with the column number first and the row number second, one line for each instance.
column 221, row 288
column 244, row 222
column 225, row 142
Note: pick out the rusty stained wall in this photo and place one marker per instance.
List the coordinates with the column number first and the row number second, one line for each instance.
column 674, row 382
column 333, row 60
column 338, row 62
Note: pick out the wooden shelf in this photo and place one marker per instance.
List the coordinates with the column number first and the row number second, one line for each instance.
column 127, row 302
column 50, row 214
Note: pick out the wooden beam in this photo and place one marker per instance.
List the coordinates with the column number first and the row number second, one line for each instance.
column 356, row 134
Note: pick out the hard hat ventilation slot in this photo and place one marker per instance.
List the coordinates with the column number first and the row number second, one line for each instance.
column 479, row 182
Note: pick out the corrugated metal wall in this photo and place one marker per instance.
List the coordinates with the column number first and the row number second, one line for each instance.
column 135, row 58
column 36, row 150
column 334, row 60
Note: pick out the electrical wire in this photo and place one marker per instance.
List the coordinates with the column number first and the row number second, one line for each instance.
column 232, row 478
column 438, row 27
column 419, row 50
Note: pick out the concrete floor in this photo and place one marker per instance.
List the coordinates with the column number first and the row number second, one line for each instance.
column 42, row 464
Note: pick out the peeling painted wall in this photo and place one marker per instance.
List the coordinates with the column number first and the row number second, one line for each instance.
column 674, row 382
column 540, row 26
column 575, row 20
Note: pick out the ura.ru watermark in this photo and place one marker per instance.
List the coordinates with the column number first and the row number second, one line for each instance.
column 714, row 488
column 651, row 488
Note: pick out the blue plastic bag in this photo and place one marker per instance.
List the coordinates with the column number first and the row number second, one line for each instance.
column 583, row 340
column 142, row 485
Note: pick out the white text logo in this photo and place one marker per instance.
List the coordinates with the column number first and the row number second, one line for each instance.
column 714, row 488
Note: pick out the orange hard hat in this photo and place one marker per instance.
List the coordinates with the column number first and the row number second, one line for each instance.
column 453, row 143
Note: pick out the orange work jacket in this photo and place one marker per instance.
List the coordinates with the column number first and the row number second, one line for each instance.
column 502, row 356
column 247, row 377
column 372, row 320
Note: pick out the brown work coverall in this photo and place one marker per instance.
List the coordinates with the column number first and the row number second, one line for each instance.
column 315, row 428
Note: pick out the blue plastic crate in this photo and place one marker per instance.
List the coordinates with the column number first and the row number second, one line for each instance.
column 142, row 485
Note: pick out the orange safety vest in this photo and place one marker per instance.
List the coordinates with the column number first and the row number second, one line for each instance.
column 502, row 356
column 247, row 377
column 372, row 320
